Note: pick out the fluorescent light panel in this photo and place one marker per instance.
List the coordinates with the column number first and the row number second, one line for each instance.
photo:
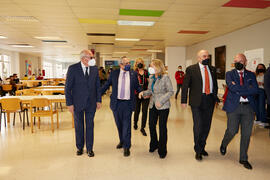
column 100, row 34
column 135, row 23
column 3, row 37
column 20, row 18
column 126, row 39
column 120, row 52
column 20, row 45
column 47, row 37
column 153, row 50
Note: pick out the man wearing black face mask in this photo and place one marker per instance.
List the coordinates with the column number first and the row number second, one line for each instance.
column 124, row 82
column 201, row 80
column 240, row 107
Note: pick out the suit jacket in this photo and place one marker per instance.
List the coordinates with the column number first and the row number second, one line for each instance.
column 113, row 80
column 81, row 92
column 249, row 89
column 163, row 90
column 267, row 84
column 193, row 81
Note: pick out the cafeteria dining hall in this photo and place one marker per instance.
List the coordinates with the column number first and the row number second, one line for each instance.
column 134, row 89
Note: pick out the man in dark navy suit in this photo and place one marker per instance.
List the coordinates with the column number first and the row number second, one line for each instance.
column 240, row 106
column 83, row 98
column 124, row 83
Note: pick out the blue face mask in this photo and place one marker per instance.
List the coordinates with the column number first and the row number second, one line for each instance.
column 127, row 67
column 206, row 62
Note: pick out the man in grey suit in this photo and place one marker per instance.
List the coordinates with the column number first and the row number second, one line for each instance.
column 83, row 98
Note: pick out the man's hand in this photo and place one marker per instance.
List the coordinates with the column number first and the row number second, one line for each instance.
column 71, row 109
column 98, row 105
column 233, row 82
column 140, row 95
column 158, row 105
column 184, row 105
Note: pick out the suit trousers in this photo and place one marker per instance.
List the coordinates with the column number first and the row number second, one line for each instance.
column 122, row 116
column 81, row 119
column 144, row 104
column 202, row 119
column 162, row 116
column 244, row 116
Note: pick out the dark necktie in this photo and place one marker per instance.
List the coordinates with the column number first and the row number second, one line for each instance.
column 86, row 73
column 242, row 82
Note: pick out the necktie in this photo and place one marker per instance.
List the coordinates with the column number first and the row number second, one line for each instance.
column 242, row 82
column 207, row 84
column 122, row 93
column 86, row 73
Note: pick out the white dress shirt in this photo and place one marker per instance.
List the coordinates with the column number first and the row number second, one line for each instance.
column 127, row 85
column 203, row 78
column 84, row 69
column 241, row 98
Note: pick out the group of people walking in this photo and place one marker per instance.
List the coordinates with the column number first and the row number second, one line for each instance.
column 139, row 90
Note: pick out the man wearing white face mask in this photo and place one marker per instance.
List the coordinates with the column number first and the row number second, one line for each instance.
column 83, row 98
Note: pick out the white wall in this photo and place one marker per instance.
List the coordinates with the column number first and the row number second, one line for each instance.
column 175, row 56
column 252, row 37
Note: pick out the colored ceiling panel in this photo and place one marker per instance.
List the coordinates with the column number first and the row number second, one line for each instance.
column 136, row 12
column 96, row 21
column 192, row 32
column 261, row 4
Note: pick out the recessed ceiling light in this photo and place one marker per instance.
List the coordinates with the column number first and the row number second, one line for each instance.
column 3, row 37
column 153, row 50
column 126, row 39
column 135, row 23
column 20, row 18
column 47, row 37
column 21, row 45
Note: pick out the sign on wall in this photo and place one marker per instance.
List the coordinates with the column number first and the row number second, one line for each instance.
column 254, row 57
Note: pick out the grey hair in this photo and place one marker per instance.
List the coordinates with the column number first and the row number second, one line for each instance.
column 122, row 59
column 84, row 53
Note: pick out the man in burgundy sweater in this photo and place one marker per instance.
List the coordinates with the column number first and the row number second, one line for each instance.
column 179, row 77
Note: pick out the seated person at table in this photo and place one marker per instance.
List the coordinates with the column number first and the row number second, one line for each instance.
column 40, row 77
column 33, row 77
column 13, row 83
column 25, row 77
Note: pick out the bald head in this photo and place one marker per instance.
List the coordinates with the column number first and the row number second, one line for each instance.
column 85, row 56
column 202, row 55
column 240, row 58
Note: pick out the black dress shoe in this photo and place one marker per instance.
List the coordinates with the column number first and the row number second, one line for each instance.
column 151, row 150
column 119, row 146
column 126, row 152
column 79, row 152
column 143, row 132
column 246, row 164
column 204, row 153
column 198, row 157
column 222, row 150
column 90, row 153
column 135, row 126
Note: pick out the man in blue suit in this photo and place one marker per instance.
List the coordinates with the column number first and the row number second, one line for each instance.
column 240, row 106
column 124, row 83
column 83, row 98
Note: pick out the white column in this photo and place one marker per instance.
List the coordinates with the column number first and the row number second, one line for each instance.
column 175, row 56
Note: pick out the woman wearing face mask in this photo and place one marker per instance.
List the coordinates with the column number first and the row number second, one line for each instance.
column 143, row 102
column 160, row 89
column 260, row 100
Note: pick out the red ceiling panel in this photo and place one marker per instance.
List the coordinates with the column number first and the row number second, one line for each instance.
column 192, row 32
column 248, row 4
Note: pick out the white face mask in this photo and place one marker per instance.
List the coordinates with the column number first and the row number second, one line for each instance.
column 151, row 70
column 92, row 62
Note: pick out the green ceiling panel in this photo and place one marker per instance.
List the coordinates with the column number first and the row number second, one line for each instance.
column 136, row 12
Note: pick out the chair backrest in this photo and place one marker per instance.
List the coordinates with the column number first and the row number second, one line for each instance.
column 11, row 104
column 30, row 92
column 6, row 87
column 40, row 102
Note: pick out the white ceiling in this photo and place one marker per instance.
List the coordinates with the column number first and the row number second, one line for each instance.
column 60, row 18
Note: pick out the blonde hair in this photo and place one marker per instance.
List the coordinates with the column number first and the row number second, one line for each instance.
column 136, row 63
column 159, row 65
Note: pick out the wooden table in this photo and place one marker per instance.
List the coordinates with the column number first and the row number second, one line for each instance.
column 27, row 100
column 49, row 87
column 51, row 91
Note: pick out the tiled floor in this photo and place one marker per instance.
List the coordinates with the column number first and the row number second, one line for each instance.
column 46, row 155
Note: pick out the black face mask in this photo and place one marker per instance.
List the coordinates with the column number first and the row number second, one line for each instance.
column 238, row 66
column 206, row 62
column 261, row 70
column 140, row 65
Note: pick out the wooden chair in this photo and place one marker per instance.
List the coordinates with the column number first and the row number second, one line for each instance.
column 7, row 88
column 12, row 105
column 42, row 104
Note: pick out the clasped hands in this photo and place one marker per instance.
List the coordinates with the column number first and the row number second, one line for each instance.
column 157, row 104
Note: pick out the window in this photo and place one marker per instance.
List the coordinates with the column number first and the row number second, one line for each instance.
column 5, row 67
column 59, row 71
column 48, row 69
